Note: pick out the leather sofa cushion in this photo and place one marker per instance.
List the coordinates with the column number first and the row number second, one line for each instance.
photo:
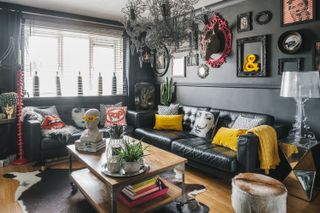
column 160, row 138
column 49, row 143
column 201, row 150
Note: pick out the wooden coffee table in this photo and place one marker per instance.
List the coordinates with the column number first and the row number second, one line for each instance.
column 102, row 191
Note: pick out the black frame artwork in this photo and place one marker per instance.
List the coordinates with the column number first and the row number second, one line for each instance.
column 316, row 55
column 283, row 10
column 262, row 56
column 283, row 61
column 248, row 17
column 165, row 61
column 192, row 60
column 263, row 17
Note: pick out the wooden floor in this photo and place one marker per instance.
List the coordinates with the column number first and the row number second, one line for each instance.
column 217, row 196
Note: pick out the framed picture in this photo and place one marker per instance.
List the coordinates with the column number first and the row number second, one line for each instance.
column 252, row 56
column 290, row 42
column 316, row 56
column 244, row 22
column 191, row 42
column 289, row 64
column 179, row 67
column 162, row 60
column 192, row 60
column 297, row 11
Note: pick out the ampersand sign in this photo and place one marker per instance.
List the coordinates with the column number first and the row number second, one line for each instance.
column 250, row 65
column 227, row 34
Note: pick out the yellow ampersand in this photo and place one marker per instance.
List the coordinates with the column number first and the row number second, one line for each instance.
column 250, row 65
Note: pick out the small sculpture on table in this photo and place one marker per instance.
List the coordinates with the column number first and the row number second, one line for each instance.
column 91, row 139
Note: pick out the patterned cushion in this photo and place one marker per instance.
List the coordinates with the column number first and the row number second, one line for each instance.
column 246, row 123
column 52, row 122
column 116, row 116
column 205, row 124
column 173, row 109
column 103, row 111
column 76, row 115
column 189, row 117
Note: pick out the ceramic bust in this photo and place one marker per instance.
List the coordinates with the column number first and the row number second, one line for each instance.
column 92, row 133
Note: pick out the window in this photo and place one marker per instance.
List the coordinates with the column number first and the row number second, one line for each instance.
column 58, row 48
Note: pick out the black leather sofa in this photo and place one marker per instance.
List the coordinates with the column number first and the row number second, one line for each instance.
column 200, row 152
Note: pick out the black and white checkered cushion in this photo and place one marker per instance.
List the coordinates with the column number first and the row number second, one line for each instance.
column 173, row 109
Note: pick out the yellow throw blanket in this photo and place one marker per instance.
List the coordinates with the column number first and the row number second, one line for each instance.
column 268, row 147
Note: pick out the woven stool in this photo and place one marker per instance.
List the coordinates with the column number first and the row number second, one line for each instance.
column 258, row 193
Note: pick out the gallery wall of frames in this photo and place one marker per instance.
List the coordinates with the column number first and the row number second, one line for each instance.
column 268, row 37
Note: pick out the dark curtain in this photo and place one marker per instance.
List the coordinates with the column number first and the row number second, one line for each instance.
column 10, row 30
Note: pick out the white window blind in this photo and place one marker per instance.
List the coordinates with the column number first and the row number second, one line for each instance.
column 66, row 48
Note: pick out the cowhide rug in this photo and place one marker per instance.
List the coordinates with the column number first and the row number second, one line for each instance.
column 50, row 191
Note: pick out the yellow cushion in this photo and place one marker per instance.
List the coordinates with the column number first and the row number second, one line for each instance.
column 228, row 137
column 168, row 122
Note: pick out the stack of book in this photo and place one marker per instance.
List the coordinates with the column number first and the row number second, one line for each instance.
column 89, row 146
column 145, row 191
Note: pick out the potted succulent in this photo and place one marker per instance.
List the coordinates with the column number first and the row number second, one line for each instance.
column 8, row 103
column 166, row 92
column 131, row 155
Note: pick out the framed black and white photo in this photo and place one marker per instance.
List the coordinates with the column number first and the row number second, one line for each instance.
column 192, row 60
column 244, row 22
column 289, row 64
column 179, row 67
column 316, row 55
column 297, row 11
column 255, row 47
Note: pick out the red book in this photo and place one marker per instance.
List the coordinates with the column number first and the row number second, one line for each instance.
column 134, row 197
column 143, row 199
column 142, row 190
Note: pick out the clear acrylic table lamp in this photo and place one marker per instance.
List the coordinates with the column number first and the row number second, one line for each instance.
column 301, row 86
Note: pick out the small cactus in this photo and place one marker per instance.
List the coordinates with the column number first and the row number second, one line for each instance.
column 8, row 99
column 166, row 92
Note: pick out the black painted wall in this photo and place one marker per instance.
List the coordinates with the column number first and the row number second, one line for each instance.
column 213, row 91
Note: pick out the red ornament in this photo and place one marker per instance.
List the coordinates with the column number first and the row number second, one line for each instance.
column 21, row 160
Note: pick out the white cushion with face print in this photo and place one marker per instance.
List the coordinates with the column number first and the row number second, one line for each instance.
column 204, row 124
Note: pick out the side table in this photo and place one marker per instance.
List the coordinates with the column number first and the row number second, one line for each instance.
column 302, row 181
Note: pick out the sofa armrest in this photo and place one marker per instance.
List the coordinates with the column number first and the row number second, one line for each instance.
column 247, row 156
column 141, row 119
column 282, row 130
column 32, row 139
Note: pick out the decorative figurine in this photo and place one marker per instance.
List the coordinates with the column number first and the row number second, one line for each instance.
column 92, row 133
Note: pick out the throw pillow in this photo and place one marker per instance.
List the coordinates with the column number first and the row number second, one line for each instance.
column 116, row 116
column 205, row 124
column 103, row 111
column 28, row 113
column 173, row 109
column 52, row 122
column 76, row 116
column 246, row 123
column 228, row 137
column 168, row 122
column 52, row 110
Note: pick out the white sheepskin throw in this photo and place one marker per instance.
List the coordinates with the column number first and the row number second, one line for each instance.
column 258, row 193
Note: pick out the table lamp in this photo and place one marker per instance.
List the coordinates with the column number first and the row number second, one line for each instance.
column 301, row 86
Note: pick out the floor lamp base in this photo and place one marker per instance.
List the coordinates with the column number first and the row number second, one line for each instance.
column 20, row 161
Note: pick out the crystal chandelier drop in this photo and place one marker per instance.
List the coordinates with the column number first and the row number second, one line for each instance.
column 150, row 23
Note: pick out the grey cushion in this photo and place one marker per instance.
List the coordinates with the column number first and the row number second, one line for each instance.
column 246, row 123
column 173, row 109
column 52, row 110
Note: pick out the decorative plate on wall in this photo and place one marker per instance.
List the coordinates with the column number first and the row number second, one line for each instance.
column 290, row 42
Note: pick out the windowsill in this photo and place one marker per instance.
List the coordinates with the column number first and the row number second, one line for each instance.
column 72, row 97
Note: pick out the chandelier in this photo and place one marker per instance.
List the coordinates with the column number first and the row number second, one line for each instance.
column 152, row 23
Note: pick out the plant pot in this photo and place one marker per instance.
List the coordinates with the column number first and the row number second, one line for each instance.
column 114, row 164
column 131, row 167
